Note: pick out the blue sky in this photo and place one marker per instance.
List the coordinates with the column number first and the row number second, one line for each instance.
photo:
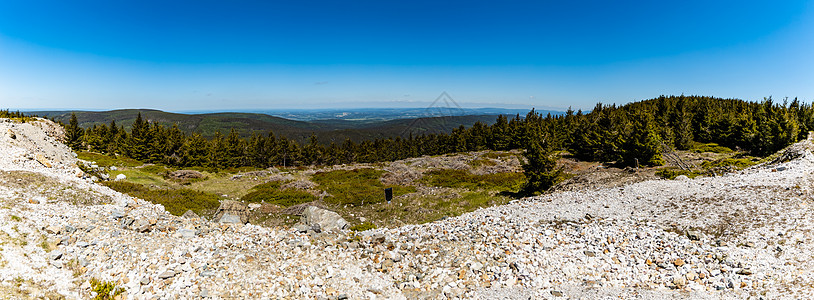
column 238, row 55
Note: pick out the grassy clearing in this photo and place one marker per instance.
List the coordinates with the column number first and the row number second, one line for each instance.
column 175, row 201
column 418, row 210
column 357, row 187
column 223, row 184
column 710, row 147
column 737, row 163
column 138, row 176
column 464, row 179
column 271, row 193
column 106, row 161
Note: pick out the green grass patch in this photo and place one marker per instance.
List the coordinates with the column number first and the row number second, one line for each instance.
column 465, row 179
column 481, row 161
column 672, row 173
column 363, row 226
column 710, row 147
column 175, row 201
column 156, row 169
column 270, row 192
column 107, row 160
column 737, row 163
column 439, row 208
column 356, row 187
column 140, row 177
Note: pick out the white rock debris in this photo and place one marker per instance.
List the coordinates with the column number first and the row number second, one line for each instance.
column 743, row 235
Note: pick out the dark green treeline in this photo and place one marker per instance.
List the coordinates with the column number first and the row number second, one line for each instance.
column 634, row 133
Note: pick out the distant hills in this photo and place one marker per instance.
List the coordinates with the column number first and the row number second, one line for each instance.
column 366, row 125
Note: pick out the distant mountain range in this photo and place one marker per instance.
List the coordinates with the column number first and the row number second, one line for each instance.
column 379, row 114
column 357, row 125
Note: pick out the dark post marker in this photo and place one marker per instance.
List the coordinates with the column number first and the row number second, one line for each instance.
column 388, row 194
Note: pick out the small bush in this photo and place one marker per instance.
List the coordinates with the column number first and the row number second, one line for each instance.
column 270, row 193
column 105, row 290
column 16, row 218
column 711, row 147
column 176, row 202
column 465, row 179
column 45, row 245
column 356, row 187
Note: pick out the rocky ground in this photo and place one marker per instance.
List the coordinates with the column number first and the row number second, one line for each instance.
column 742, row 235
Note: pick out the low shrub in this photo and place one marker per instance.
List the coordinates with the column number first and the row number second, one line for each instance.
column 175, row 201
column 270, row 192
column 105, row 290
column 672, row 173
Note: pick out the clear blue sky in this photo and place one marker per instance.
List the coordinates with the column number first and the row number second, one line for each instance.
column 230, row 55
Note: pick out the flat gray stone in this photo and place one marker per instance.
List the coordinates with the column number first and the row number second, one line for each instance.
column 230, row 219
column 167, row 274
column 186, row 233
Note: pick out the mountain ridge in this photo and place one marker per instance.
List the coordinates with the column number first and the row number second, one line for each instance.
column 246, row 124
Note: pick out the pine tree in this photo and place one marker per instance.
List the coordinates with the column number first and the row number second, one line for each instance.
column 138, row 145
column 195, row 151
column 217, row 152
column 643, row 146
column 499, row 138
column 74, row 133
column 540, row 166
column 235, row 149
column 682, row 126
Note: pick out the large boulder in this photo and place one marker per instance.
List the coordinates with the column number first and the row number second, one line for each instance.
column 326, row 219
column 234, row 212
